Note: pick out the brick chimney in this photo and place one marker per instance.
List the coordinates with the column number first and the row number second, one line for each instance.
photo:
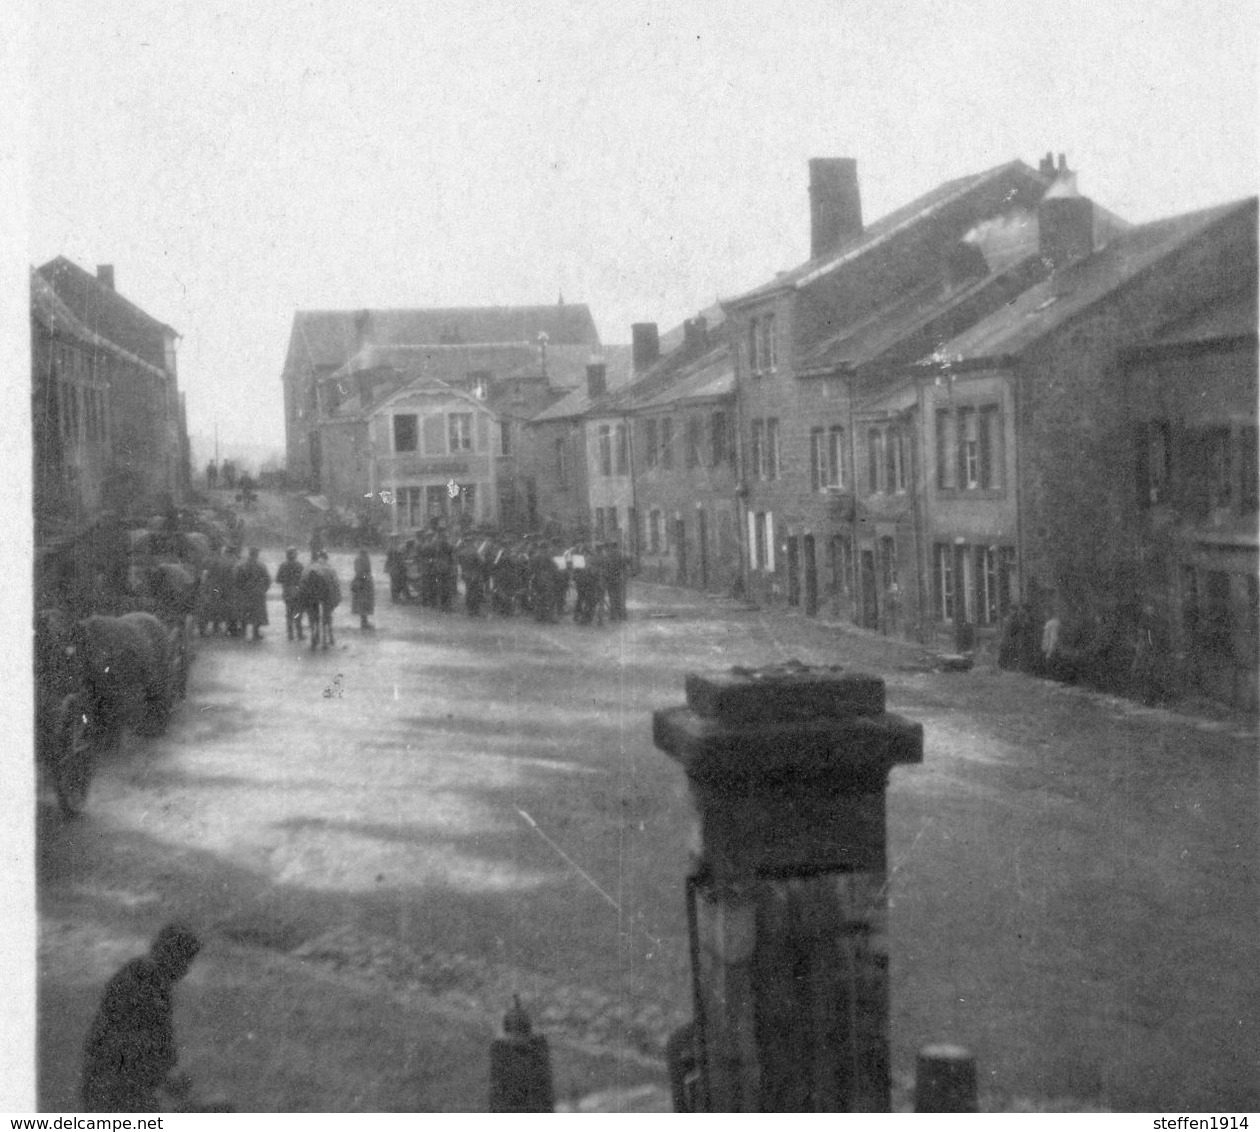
column 835, row 204
column 105, row 275
column 1065, row 220
column 696, row 335
column 596, row 379
column 646, row 344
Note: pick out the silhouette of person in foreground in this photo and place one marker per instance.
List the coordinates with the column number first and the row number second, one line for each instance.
column 130, row 1051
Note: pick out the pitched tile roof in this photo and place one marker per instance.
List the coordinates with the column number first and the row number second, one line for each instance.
column 710, row 376
column 1232, row 317
column 105, row 312
column 1076, row 286
column 54, row 315
column 324, row 338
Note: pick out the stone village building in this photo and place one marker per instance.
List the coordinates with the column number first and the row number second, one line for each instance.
column 913, row 429
column 337, row 355
column 108, row 419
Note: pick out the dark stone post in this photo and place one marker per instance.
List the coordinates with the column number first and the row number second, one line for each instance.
column 787, row 768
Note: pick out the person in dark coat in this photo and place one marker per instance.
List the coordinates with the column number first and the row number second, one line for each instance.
column 215, row 594
column 253, row 580
column 615, row 582
column 289, row 575
column 363, row 590
column 130, row 1052
column 319, row 594
column 396, row 568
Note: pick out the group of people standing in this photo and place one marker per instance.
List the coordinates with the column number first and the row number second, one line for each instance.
column 234, row 595
column 527, row 575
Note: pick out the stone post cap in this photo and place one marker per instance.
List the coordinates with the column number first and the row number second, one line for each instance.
column 771, row 725
column 782, row 692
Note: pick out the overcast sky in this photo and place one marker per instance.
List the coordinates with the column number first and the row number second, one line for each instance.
column 238, row 161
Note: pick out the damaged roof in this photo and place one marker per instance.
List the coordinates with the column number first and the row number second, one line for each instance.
column 1078, row 285
column 875, row 235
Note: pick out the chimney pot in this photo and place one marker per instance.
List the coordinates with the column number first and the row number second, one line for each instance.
column 105, row 275
column 646, row 344
column 835, row 203
column 596, row 379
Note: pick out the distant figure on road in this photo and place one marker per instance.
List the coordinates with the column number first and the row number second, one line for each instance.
column 289, row 575
column 130, row 1051
column 253, row 580
column 363, row 590
column 317, row 544
column 212, row 475
column 319, row 594
column 396, row 568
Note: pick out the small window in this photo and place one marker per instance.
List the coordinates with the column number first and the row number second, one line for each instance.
column 945, row 457
column 667, row 443
column 874, row 459
column 719, row 438
column 1249, row 489
column 562, row 463
column 605, row 450
column 773, row 464
column 651, row 444
column 405, row 432
column 505, row 438
column 770, row 343
column 619, row 449
column 757, row 448
column 461, row 432
column 693, row 441
column 944, row 582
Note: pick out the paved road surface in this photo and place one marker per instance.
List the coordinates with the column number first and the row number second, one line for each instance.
column 452, row 810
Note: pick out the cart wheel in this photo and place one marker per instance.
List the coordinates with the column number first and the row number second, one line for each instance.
column 73, row 754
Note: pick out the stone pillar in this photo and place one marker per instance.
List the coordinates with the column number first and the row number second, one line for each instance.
column 787, row 769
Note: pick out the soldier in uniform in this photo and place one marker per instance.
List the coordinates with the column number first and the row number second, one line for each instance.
column 289, row 575
column 253, row 580
column 319, row 594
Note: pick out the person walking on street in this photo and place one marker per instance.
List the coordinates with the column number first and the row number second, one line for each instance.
column 363, row 590
column 130, row 1052
column 253, row 580
column 289, row 575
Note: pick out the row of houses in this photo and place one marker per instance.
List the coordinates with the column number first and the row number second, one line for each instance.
column 999, row 395
column 109, row 428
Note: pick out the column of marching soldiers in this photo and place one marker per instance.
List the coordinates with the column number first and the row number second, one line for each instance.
column 521, row 576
